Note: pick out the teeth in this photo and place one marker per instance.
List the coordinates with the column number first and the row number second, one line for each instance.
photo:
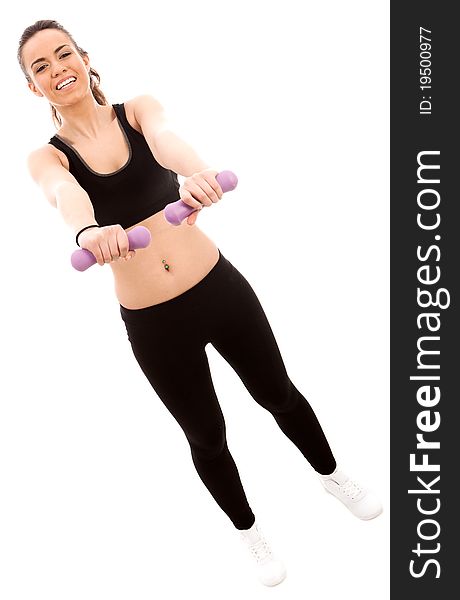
column 65, row 82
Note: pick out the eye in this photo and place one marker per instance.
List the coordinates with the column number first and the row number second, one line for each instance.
column 62, row 56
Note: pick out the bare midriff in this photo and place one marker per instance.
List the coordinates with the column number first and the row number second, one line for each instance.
column 144, row 281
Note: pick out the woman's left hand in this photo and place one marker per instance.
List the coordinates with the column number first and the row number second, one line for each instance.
column 200, row 189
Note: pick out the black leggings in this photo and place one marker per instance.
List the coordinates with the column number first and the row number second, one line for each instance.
column 168, row 341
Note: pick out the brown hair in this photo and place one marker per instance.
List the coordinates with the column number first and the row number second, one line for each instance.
column 93, row 75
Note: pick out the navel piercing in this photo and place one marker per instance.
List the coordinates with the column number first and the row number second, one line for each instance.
column 165, row 264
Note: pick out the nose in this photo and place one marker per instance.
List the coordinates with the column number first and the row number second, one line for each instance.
column 57, row 69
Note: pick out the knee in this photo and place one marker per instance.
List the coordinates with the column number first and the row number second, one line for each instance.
column 210, row 443
column 283, row 399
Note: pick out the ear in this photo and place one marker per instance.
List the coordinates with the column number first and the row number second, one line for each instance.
column 85, row 59
column 34, row 89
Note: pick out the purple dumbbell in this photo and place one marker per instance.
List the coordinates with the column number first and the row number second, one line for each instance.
column 176, row 212
column 139, row 237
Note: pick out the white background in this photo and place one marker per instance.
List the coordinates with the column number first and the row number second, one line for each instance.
column 100, row 499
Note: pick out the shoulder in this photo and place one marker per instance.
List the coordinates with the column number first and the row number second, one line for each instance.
column 44, row 150
column 47, row 153
column 144, row 100
column 141, row 107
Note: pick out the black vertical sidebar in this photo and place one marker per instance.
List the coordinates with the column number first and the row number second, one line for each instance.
column 425, row 296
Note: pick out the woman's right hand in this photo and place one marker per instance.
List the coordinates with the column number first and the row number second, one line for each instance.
column 107, row 244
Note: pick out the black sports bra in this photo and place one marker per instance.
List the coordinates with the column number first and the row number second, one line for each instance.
column 139, row 189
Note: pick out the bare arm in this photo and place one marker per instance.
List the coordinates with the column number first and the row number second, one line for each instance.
column 61, row 189
column 65, row 193
column 169, row 149
column 75, row 207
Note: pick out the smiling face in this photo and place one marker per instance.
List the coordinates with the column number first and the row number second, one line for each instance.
column 50, row 57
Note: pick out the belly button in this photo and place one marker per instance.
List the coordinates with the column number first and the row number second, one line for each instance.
column 165, row 264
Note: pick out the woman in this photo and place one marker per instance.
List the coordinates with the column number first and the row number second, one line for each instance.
column 112, row 167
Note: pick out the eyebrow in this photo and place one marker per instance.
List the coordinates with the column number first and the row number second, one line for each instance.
column 55, row 52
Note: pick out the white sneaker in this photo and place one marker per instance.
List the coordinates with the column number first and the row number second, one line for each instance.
column 360, row 501
column 270, row 570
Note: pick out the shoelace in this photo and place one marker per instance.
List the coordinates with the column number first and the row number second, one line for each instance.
column 261, row 550
column 351, row 489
